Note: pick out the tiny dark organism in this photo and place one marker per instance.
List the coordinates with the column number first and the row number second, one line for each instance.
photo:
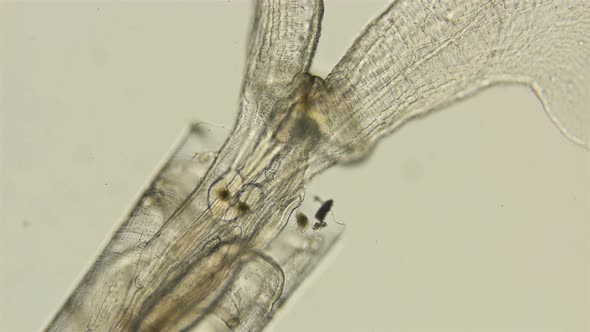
column 320, row 215
column 223, row 194
column 302, row 221
column 243, row 207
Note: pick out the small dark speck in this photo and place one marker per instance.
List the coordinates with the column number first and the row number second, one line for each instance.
column 25, row 223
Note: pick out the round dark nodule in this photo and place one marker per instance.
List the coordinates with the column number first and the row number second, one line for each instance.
column 232, row 322
column 223, row 194
column 302, row 220
column 243, row 207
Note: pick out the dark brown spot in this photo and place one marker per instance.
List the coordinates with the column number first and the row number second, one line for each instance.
column 302, row 220
column 223, row 194
column 243, row 207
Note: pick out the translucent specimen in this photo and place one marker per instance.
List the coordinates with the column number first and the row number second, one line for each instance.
column 419, row 56
column 217, row 241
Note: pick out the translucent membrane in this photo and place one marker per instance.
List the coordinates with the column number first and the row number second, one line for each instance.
column 419, row 56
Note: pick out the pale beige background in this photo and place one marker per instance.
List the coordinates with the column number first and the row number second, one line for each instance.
column 473, row 219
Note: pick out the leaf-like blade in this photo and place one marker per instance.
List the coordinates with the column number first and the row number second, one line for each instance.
column 421, row 55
